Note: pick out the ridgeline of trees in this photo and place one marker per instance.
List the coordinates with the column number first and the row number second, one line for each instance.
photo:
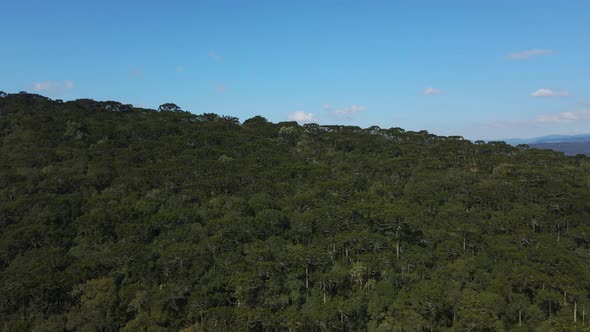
column 119, row 218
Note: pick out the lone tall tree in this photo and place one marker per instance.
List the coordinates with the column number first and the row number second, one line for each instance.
column 169, row 107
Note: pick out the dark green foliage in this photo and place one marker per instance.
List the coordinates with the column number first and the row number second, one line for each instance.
column 169, row 107
column 117, row 218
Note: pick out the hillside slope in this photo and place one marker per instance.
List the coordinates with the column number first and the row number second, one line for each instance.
column 117, row 218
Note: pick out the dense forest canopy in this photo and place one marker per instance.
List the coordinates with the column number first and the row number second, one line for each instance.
column 119, row 218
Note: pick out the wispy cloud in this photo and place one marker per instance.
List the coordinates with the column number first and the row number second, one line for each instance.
column 522, row 55
column 549, row 93
column 220, row 88
column 51, row 86
column 505, row 124
column 215, row 57
column 349, row 110
column 327, row 107
column 564, row 117
column 432, row 91
column 180, row 69
column 301, row 116
column 136, row 72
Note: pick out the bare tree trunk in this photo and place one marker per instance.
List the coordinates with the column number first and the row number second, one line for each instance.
column 519, row 318
column 464, row 243
column 397, row 244
column 306, row 280
column 333, row 251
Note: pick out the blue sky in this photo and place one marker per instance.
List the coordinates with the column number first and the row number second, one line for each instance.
column 481, row 69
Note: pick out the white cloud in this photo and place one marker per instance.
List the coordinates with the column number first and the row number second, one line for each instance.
column 502, row 124
column 431, row 91
column 215, row 57
column 301, row 116
column 522, row 55
column 327, row 107
column 350, row 110
column 220, row 87
column 580, row 131
column 549, row 93
column 564, row 117
column 50, row 86
column 136, row 72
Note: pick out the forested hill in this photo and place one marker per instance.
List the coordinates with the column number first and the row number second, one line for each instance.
column 118, row 218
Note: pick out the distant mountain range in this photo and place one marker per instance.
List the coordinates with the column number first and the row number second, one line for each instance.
column 568, row 144
column 549, row 139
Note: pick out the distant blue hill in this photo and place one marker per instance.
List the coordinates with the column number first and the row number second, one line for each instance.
column 568, row 144
column 549, row 139
column 569, row 148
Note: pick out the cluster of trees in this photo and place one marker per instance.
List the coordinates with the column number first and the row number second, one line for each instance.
column 140, row 220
